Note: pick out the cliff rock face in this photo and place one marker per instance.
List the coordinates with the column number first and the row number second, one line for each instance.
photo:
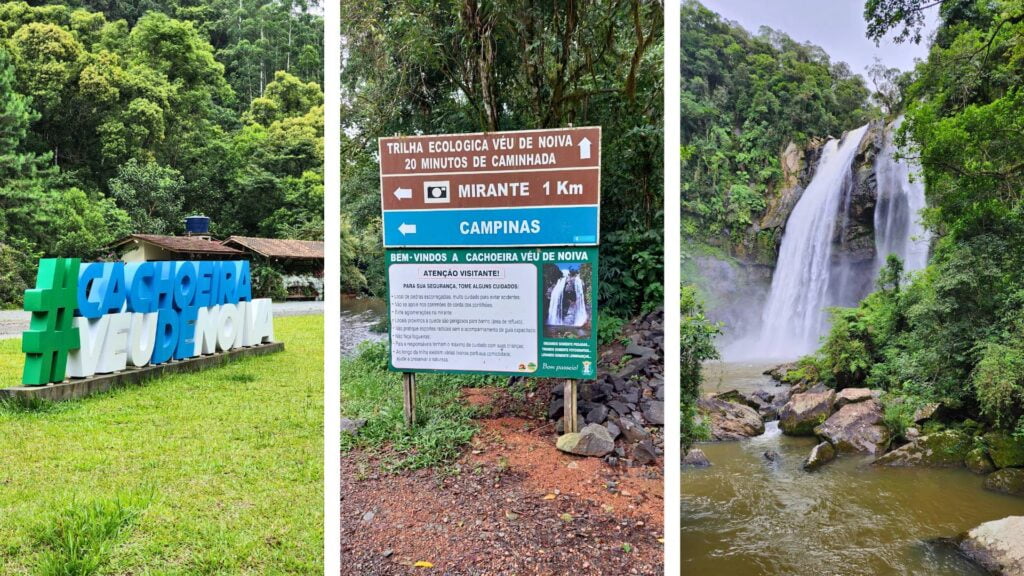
column 853, row 242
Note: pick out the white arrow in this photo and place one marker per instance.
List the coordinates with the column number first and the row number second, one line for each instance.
column 407, row 229
column 403, row 193
column 584, row 148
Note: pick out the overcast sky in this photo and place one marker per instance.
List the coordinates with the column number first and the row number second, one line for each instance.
column 835, row 25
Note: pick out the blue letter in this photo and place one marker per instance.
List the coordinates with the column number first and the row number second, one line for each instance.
column 140, row 276
column 166, row 335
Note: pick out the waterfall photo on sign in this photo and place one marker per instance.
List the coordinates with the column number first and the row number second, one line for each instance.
column 853, row 343
column 566, row 311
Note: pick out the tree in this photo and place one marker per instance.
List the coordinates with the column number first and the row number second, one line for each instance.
column 151, row 195
column 15, row 117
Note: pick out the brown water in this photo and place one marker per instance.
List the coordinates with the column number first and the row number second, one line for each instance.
column 747, row 516
column 358, row 317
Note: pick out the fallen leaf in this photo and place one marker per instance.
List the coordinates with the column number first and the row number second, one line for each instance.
column 423, row 564
column 566, row 517
column 549, row 496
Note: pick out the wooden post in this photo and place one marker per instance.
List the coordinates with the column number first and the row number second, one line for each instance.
column 409, row 398
column 569, row 415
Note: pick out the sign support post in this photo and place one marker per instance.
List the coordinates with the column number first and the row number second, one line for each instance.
column 569, row 423
column 409, row 398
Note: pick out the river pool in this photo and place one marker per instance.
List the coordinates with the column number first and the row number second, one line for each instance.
column 746, row 515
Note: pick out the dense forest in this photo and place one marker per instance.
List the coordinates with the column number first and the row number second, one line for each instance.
column 951, row 333
column 955, row 332
column 123, row 117
column 743, row 98
column 438, row 67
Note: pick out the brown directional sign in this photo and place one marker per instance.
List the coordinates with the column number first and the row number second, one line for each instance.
column 557, row 167
column 521, row 188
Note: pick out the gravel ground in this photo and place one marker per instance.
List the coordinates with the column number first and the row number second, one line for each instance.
column 14, row 322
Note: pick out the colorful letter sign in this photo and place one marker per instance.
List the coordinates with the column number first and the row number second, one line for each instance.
column 500, row 189
column 102, row 317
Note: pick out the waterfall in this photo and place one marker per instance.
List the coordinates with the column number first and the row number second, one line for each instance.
column 898, row 228
column 576, row 312
column 795, row 316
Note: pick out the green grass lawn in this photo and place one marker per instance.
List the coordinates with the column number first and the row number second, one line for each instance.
column 444, row 421
column 213, row 472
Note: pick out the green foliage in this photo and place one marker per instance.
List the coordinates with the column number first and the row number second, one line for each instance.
column 898, row 413
column 120, row 117
column 954, row 332
column 609, row 329
column 744, row 97
column 697, row 344
column 267, row 282
column 370, row 392
column 78, row 540
column 415, row 66
column 998, row 380
column 17, row 274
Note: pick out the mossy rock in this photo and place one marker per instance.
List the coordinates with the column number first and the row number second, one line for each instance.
column 978, row 461
column 1008, row 481
column 946, row 449
column 1005, row 450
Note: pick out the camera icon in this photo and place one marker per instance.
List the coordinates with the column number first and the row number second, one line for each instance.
column 438, row 192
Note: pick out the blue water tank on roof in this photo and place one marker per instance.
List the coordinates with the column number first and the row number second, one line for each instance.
column 197, row 224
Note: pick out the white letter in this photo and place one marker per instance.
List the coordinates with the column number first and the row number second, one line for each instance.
column 142, row 338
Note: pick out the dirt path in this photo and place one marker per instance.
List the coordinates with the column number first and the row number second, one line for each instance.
column 516, row 506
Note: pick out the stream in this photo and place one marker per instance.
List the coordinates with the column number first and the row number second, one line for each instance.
column 358, row 317
column 745, row 515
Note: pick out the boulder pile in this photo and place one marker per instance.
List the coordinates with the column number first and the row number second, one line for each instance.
column 627, row 399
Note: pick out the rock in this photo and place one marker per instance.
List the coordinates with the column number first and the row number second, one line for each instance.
column 1004, row 450
column 779, row 372
column 634, row 367
column 929, row 411
column 638, row 350
column 613, row 430
column 853, row 395
column 593, row 440
column 730, row 421
column 631, row 397
column 654, row 412
column 368, row 516
column 558, row 390
column 556, row 408
column 911, row 433
column 644, row 452
column 945, row 449
column 620, row 408
column 820, row 455
column 695, row 458
column 352, row 426
column 633, row 431
column 998, row 546
column 1008, row 481
column 856, row 428
column 805, row 411
column 771, row 455
column 977, row 461
column 597, row 415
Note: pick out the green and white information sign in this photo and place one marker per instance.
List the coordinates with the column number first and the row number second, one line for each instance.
column 526, row 311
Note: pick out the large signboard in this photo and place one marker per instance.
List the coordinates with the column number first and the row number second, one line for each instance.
column 528, row 311
column 500, row 189
column 103, row 317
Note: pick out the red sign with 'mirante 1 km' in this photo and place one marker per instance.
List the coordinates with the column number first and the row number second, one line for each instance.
column 441, row 190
